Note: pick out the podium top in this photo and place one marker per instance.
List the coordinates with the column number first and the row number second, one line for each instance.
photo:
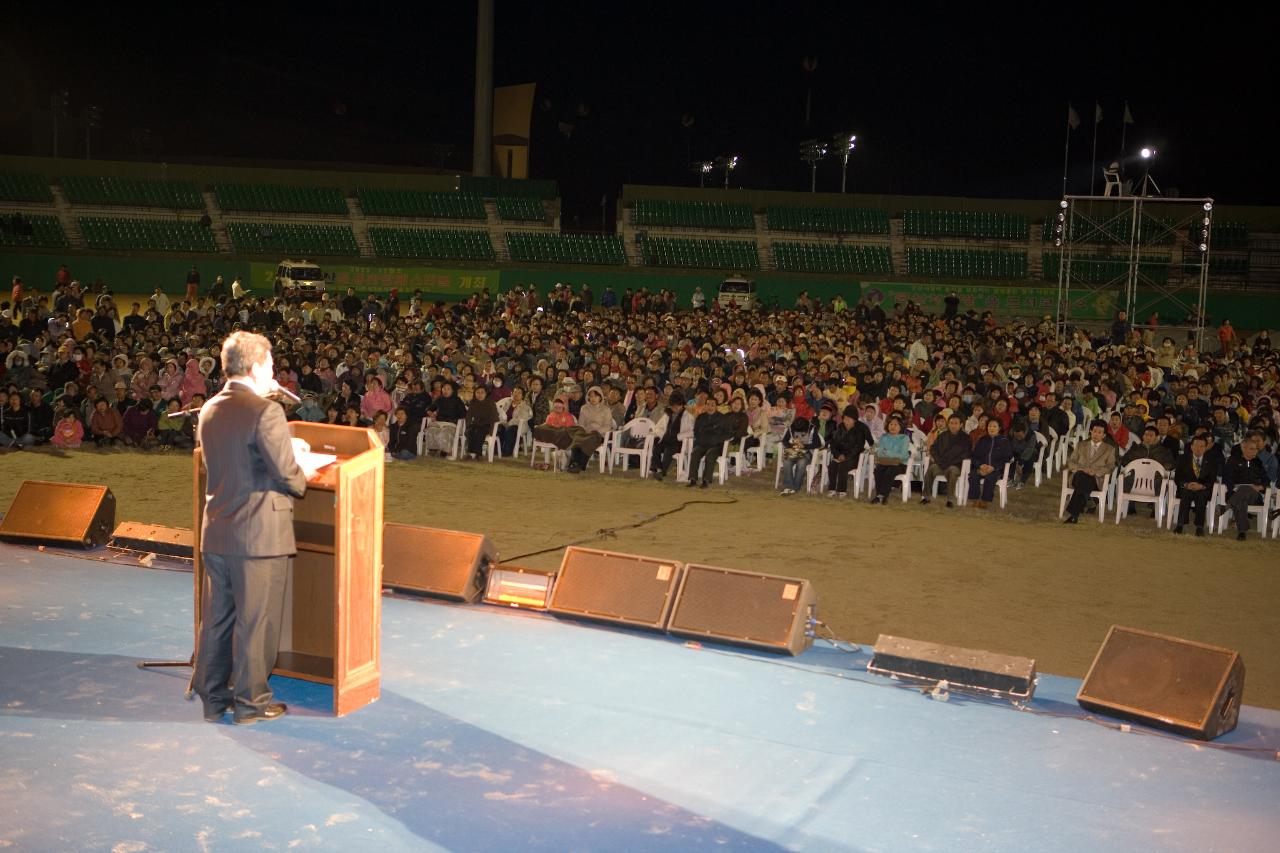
column 342, row 441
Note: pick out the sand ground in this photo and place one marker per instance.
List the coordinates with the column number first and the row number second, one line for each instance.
column 1016, row 581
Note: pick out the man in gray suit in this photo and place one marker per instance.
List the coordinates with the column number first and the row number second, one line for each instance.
column 247, row 535
column 1089, row 465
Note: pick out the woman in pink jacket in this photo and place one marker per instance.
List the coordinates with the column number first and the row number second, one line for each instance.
column 68, row 433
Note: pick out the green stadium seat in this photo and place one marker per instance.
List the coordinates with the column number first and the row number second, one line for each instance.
column 724, row 216
column 420, row 204
column 156, row 235
column 45, row 231
column 131, row 192
column 270, row 238
column 566, row 248
column 281, row 198
column 699, row 254
column 520, row 209
column 470, row 244
column 978, row 225
column 24, row 187
column 828, row 220
column 828, row 258
column 967, row 263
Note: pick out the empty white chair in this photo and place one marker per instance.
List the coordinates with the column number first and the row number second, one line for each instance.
column 1147, row 487
column 618, row 449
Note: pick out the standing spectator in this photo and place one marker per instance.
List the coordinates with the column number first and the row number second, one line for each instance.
column 1227, row 338
column 193, row 285
column 1089, row 464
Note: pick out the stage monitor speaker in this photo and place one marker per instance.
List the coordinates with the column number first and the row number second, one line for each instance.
column 444, row 563
column 509, row 585
column 176, row 542
column 60, row 513
column 964, row 670
column 610, row 587
column 744, row 608
column 1185, row 687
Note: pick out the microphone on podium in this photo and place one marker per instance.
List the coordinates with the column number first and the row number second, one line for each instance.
column 278, row 390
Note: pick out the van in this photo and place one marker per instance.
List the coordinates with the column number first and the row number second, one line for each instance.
column 302, row 279
column 737, row 292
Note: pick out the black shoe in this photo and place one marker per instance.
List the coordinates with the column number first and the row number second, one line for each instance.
column 270, row 712
column 1241, row 536
column 1071, row 519
column 692, row 484
column 658, row 475
column 575, row 468
column 1178, row 529
column 877, row 500
column 215, row 713
column 924, row 501
column 1199, row 531
column 950, row 504
column 705, row 484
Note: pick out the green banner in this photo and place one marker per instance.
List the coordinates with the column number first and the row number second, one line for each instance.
column 448, row 284
column 1001, row 300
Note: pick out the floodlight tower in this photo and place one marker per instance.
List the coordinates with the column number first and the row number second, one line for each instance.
column 812, row 152
column 727, row 163
column 844, row 143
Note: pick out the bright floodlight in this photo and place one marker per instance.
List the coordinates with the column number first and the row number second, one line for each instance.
column 1208, row 205
column 1147, row 153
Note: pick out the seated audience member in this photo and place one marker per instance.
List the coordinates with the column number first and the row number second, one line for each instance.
column 796, row 455
column 482, row 414
column 1149, row 448
column 893, row 450
column 140, row 424
column 986, row 465
column 441, row 427
column 380, row 428
column 309, row 409
column 948, row 447
column 1026, row 453
column 1090, row 462
column 375, row 399
column 848, row 442
column 41, row 415
column 513, row 412
column 1118, row 433
column 1247, row 482
column 561, row 430
column 1169, row 441
column 106, row 426
column 68, row 432
column 402, row 437
column 671, row 430
column 595, row 416
column 15, row 424
column 175, row 429
column 710, row 431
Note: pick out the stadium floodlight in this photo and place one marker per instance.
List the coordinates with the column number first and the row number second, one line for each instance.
column 727, row 163
column 845, row 143
column 702, row 168
column 1147, row 153
column 812, row 151
column 1208, row 205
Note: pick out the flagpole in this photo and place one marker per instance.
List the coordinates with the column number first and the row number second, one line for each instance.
column 1093, row 163
column 1124, row 128
column 1066, row 152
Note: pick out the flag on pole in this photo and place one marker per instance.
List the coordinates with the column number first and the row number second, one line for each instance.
column 1097, row 112
column 1128, row 116
column 1073, row 117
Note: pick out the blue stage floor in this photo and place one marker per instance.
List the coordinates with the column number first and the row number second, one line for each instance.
column 509, row 731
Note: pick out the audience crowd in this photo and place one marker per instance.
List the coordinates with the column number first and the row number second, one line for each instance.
column 840, row 379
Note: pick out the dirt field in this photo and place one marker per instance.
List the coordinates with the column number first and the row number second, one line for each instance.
column 1016, row 582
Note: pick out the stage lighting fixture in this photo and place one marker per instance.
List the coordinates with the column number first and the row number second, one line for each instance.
column 1208, row 205
column 519, row 586
column 1204, row 247
column 1147, row 153
column 1063, row 204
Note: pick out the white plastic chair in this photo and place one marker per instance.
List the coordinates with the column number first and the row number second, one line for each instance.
column 618, row 450
column 755, row 456
column 960, row 488
column 1102, row 495
column 552, row 456
column 491, row 446
column 863, row 476
column 1258, row 512
column 817, row 470
column 731, row 460
column 1040, row 467
column 1173, row 504
column 1146, row 473
column 913, row 461
column 1002, row 485
column 459, row 439
column 682, row 460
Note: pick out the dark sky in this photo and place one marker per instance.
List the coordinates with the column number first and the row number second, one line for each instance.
column 945, row 102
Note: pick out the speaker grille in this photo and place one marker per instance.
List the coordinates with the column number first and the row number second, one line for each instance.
column 60, row 512
column 443, row 562
column 615, row 587
column 738, row 605
column 1163, row 676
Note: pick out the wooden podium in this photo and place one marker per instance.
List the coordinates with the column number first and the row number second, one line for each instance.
column 333, row 596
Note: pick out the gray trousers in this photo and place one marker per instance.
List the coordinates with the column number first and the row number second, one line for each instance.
column 1240, row 501
column 242, row 606
column 951, row 474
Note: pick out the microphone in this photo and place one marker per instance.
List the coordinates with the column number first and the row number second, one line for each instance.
column 279, row 390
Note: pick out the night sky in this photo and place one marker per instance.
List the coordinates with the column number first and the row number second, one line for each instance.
column 944, row 102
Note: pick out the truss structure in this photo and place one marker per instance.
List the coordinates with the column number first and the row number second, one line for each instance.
column 1144, row 256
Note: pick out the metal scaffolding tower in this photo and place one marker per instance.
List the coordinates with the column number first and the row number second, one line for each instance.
column 1135, row 254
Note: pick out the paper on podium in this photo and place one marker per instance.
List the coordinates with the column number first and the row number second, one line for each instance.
column 307, row 460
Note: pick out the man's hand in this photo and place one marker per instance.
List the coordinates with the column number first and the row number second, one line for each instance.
column 985, row 469
column 1194, row 486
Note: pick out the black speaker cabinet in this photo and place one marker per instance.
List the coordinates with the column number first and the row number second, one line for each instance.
column 1185, row 687
column 610, row 587
column 966, row 670
column 744, row 608
column 444, row 563
column 60, row 514
column 178, row 542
